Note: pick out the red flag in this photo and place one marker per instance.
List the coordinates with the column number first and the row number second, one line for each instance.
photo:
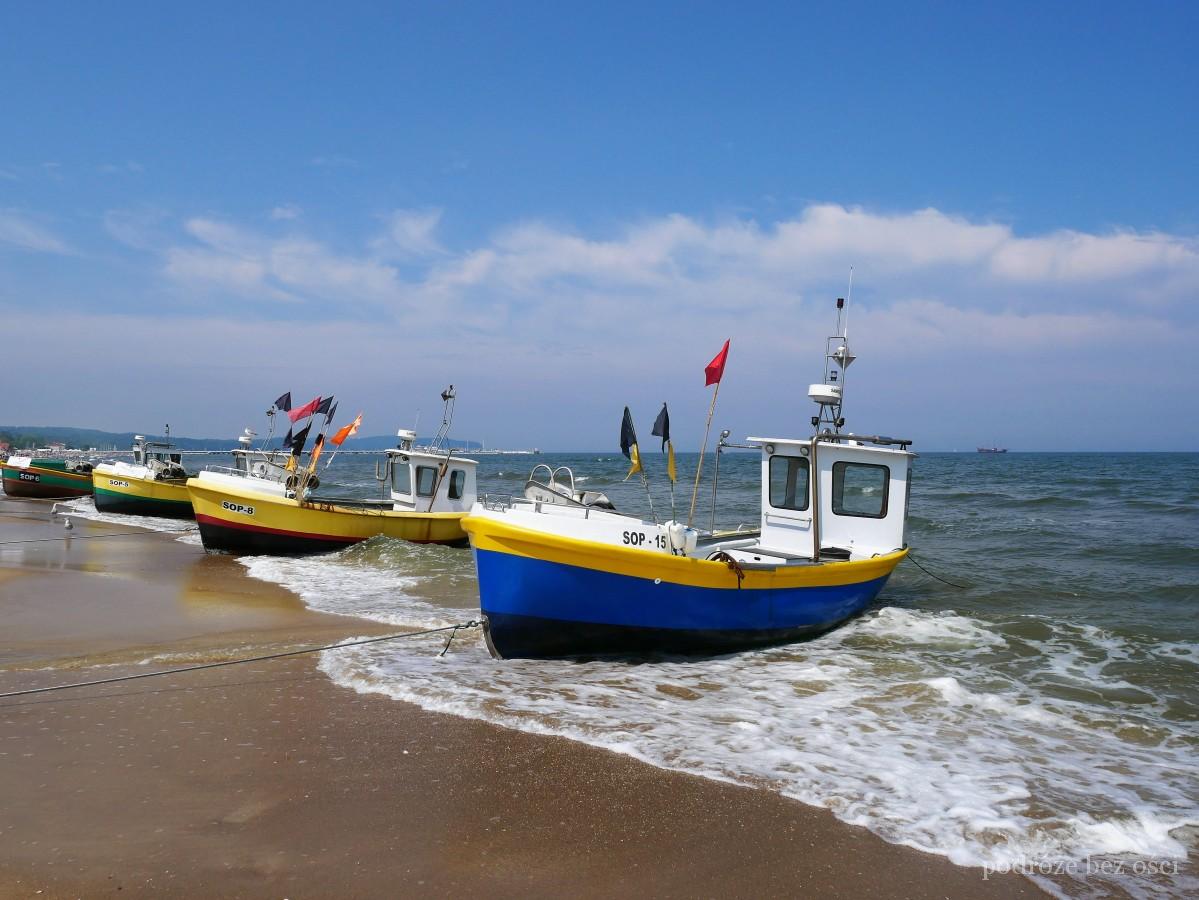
column 346, row 431
column 714, row 370
column 306, row 410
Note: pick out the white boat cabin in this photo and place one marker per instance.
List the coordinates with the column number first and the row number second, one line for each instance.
column 261, row 471
column 856, row 506
column 152, row 461
column 829, row 497
column 424, row 481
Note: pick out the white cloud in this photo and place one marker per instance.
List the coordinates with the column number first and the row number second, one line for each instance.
column 17, row 230
column 286, row 212
column 1068, row 256
column 410, row 234
column 285, row 268
column 674, row 274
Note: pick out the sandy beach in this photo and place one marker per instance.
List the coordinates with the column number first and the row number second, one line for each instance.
column 268, row 780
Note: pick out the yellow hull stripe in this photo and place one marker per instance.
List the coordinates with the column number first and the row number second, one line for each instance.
column 142, row 488
column 324, row 519
column 499, row 537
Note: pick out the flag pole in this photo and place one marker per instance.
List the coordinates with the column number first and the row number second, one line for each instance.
column 673, row 515
column 649, row 496
column 317, row 446
column 699, row 469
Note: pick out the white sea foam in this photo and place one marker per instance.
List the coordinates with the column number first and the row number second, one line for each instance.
column 366, row 581
column 935, row 730
column 85, row 508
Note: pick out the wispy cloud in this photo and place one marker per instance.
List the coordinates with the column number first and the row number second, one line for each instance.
column 141, row 229
column 410, row 234
column 19, row 231
column 660, row 265
column 1034, row 327
column 286, row 213
column 289, row 268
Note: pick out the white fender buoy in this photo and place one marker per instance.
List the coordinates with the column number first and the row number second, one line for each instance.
column 67, row 524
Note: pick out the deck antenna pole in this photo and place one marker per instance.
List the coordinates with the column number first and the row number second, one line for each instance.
column 716, row 477
column 447, row 417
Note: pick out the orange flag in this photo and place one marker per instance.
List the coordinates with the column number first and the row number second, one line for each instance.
column 346, row 431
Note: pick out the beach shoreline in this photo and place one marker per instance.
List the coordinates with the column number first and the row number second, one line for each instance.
column 267, row 779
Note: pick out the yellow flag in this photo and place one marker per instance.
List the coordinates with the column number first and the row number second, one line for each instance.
column 671, row 471
column 635, row 457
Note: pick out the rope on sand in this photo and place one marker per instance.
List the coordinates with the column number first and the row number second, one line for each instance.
column 453, row 629
column 90, row 537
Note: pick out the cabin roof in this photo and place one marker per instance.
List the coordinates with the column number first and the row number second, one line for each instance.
column 423, row 456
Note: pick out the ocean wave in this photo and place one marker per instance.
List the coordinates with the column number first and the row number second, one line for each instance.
column 376, row 580
column 900, row 722
column 85, row 508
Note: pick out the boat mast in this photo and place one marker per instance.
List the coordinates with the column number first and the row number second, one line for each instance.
column 830, row 394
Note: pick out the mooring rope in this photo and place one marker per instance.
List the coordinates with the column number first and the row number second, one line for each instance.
column 916, row 563
column 88, row 537
column 453, row 629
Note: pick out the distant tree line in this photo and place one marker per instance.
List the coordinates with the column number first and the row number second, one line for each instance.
column 29, row 440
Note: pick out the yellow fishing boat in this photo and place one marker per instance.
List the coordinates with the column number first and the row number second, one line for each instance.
column 154, row 484
column 430, row 494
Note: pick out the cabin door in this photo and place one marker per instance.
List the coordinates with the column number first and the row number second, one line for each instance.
column 787, row 505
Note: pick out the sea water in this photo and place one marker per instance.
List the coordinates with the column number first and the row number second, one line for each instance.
column 1025, row 701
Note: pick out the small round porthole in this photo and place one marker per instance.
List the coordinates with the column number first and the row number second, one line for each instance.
column 770, row 448
column 803, row 451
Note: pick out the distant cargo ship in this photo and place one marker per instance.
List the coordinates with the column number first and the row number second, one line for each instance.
column 992, row 449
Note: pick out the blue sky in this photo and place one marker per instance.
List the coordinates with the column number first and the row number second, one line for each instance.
column 564, row 210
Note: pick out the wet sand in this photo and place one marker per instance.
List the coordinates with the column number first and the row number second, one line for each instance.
column 267, row 780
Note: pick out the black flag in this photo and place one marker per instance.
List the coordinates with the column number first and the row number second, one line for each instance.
column 284, row 402
column 287, row 440
column 301, row 438
column 662, row 426
column 628, row 443
column 324, row 407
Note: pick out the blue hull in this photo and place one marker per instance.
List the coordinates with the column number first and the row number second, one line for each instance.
column 536, row 609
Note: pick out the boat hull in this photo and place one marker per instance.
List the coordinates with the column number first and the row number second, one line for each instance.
column 234, row 521
column 43, row 483
column 541, row 597
column 134, row 496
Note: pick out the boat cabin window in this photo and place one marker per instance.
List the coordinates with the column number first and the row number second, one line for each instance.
column 788, row 482
column 401, row 477
column 426, row 480
column 457, row 484
column 860, row 490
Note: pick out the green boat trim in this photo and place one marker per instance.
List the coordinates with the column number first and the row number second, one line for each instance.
column 131, row 505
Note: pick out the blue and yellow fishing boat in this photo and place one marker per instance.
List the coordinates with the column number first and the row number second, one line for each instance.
column 561, row 575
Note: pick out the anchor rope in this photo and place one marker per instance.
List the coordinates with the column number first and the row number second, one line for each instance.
column 453, row 629
column 916, row 562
